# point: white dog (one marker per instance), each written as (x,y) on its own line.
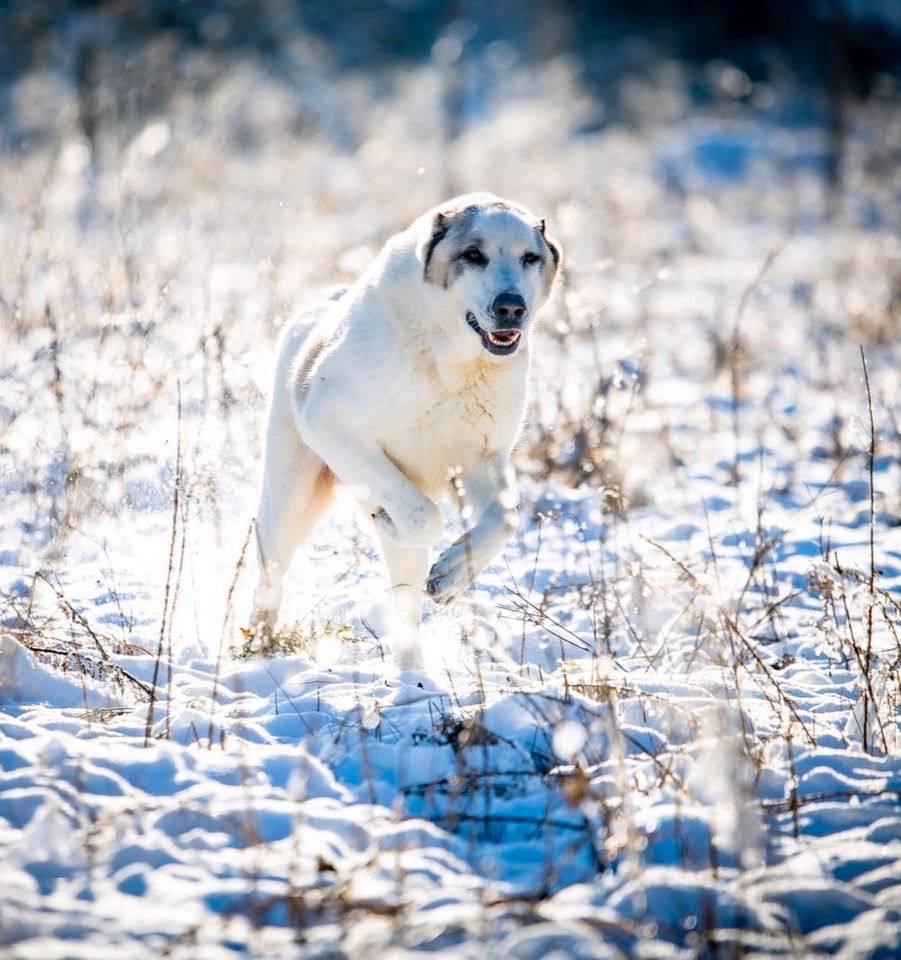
(409,386)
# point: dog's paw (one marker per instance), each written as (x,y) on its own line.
(408,656)
(451,574)
(262,622)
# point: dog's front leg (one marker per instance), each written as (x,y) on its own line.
(403,513)
(492,498)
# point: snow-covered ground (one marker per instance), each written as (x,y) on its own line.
(665,723)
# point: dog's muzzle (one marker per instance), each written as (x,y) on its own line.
(501,341)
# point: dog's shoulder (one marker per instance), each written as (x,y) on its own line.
(305,337)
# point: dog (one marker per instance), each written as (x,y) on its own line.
(407,387)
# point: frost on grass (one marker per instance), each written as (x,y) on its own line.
(665,722)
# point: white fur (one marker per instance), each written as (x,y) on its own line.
(387,389)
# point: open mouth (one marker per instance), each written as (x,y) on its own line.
(495,341)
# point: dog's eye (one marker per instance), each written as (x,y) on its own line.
(529,258)
(474,255)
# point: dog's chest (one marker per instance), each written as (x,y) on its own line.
(453,426)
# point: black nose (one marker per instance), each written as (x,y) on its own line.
(509,308)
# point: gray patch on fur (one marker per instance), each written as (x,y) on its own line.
(304,370)
(440,226)
(454,225)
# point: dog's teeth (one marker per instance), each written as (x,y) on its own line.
(505,340)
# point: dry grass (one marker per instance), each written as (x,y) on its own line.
(147,258)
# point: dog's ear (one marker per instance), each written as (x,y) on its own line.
(440,226)
(552,244)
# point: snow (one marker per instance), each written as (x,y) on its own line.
(664,723)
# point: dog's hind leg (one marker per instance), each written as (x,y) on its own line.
(407,569)
(297,488)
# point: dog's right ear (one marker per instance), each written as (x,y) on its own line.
(440,226)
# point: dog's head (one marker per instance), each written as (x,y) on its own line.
(494,264)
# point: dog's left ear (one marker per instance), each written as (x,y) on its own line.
(440,226)
(553,246)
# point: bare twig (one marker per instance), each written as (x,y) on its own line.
(737,348)
(165,619)
(226,616)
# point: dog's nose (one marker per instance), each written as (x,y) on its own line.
(509,308)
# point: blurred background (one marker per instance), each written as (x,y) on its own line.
(277,112)
(175,178)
